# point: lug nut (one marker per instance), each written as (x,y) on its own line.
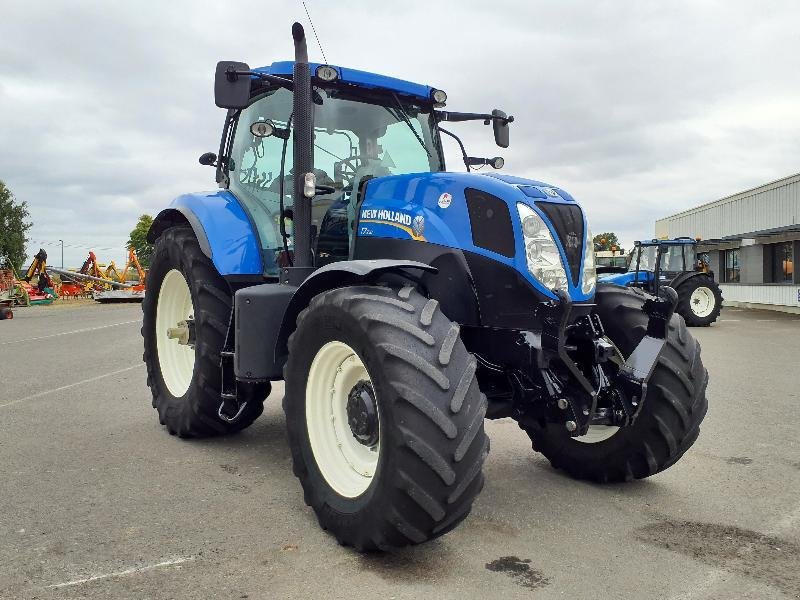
(571,426)
(562,403)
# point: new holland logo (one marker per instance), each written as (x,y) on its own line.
(418,225)
(572,240)
(382,214)
(550,192)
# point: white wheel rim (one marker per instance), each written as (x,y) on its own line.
(175,360)
(346,464)
(702,301)
(597,433)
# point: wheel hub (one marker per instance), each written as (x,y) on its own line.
(362,413)
(183,333)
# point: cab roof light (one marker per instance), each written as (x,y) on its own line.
(326,73)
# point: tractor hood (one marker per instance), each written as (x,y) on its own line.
(476,213)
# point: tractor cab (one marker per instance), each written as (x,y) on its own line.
(365,126)
(662,260)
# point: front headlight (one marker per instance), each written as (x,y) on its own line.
(541,251)
(589,276)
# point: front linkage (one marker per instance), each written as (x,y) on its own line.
(557,388)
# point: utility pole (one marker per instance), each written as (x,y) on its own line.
(62,253)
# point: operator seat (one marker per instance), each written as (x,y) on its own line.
(370,168)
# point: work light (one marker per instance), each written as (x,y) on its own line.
(326,73)
(439,97)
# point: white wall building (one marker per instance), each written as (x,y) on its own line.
(752,241)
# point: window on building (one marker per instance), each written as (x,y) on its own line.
(731,271)
(781,259)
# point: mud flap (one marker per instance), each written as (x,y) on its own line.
(635,372)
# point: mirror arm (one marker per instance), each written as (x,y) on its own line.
(233,75)
(460,145)
(454,117)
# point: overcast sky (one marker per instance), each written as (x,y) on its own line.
(639,109)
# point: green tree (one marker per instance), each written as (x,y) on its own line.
(606,241)
(14,225)
(138,240)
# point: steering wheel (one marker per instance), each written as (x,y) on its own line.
(347,167)
(324,189)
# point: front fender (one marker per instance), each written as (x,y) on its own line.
(335,275)
(221,226)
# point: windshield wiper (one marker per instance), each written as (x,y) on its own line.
(401,115)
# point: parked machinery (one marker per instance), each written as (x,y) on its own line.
(655,264)
(7,287)
(43,291)
(131,291)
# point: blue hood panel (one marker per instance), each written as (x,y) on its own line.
(623,279)
(417,206)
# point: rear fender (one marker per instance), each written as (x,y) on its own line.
(222,228)
(684,277)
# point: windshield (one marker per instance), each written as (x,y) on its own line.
(647,259)
(672,258)
(355,139)
(611,261)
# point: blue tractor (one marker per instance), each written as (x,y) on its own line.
(401,305)
(674,263)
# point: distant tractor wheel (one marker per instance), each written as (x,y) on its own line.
(384,416)
(6,313)
(699,301)
(673,409)
(186,313)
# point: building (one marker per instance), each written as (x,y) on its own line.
(751,240)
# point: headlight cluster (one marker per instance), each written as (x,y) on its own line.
(543,257)
(541,251)
(589,276)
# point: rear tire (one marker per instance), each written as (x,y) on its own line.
(699,301)
(6,313)
(185,382)
(673,409)
(431,443)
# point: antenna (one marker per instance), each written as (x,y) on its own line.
(315,32)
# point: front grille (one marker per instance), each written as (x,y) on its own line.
(568,221)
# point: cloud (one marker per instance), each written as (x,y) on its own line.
(640,109)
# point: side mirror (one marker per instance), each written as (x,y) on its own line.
(231,90)
(208,159)
(500,127)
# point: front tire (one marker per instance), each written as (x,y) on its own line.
(669,422)
(425,447)
(699,301)
(186,381)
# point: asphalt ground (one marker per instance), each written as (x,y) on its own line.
(98,501)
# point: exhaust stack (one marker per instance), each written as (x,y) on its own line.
(303,148)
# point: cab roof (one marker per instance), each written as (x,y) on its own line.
(672,242)
(358,78)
